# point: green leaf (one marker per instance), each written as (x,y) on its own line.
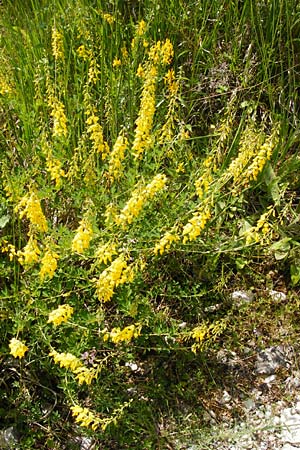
(272,183)
(281,248)
(4,221)
(295,274)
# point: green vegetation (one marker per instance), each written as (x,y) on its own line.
(149,166)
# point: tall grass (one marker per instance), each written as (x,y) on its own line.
(148,161)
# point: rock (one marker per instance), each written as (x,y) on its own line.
(277,295)
(270,359)
(290,434)
(242,297)
(9,439)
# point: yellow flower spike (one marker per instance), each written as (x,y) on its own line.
(196,224)
(66,360)
(30,253)
(30,207)
(141,28)
(83,52)
(57,44)
(61,314)
(48,264)
(17,348)
(135,204)
(82,238)
(116,274)
(105,253)
(95,131)
(117,156)
(116,62)
(59,118)
(142,139)
(126,335)
(108,18)
(165,243)
(54,167)
(85,375)
(85,417)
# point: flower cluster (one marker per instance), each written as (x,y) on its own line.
(8,248)
(108,18)
(116,62)
(205,333)
(83,52)
(17,348)
(48,264)
(196,224)
(162,52)
(30,253)
(69,361)
(93,72)
(138,199)
(95,131)
(263,155)
(202,183)
(57,44)
(117,156)
(142,139)
(105,252)
(61,314)
(85,417)
(83,236)
(119,272)
(141,28)
(5,87)
(54,167)
(262,230)
(248,146)
(30,207)
(116,335)
(165,242)
(59,117)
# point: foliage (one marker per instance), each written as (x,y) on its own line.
(149,158)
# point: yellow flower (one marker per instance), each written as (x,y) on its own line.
(5,87)
(85,417)
(96,135)
(142,139)
(158,183)
(30,207)
(61,314)
(57,44)
(49,264)
(140,71)
(117,273)
(108,18)
(17,348)
(83,236)
(93,72)
(162,52)
(196,224)
(126,335)
(141,28)
(30,253)
(105,253)
(138,199)
(59,117)
(66,360)
(83,52)
(54,167)
(117,156)
(116,62)
(165,242)
(85,375)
